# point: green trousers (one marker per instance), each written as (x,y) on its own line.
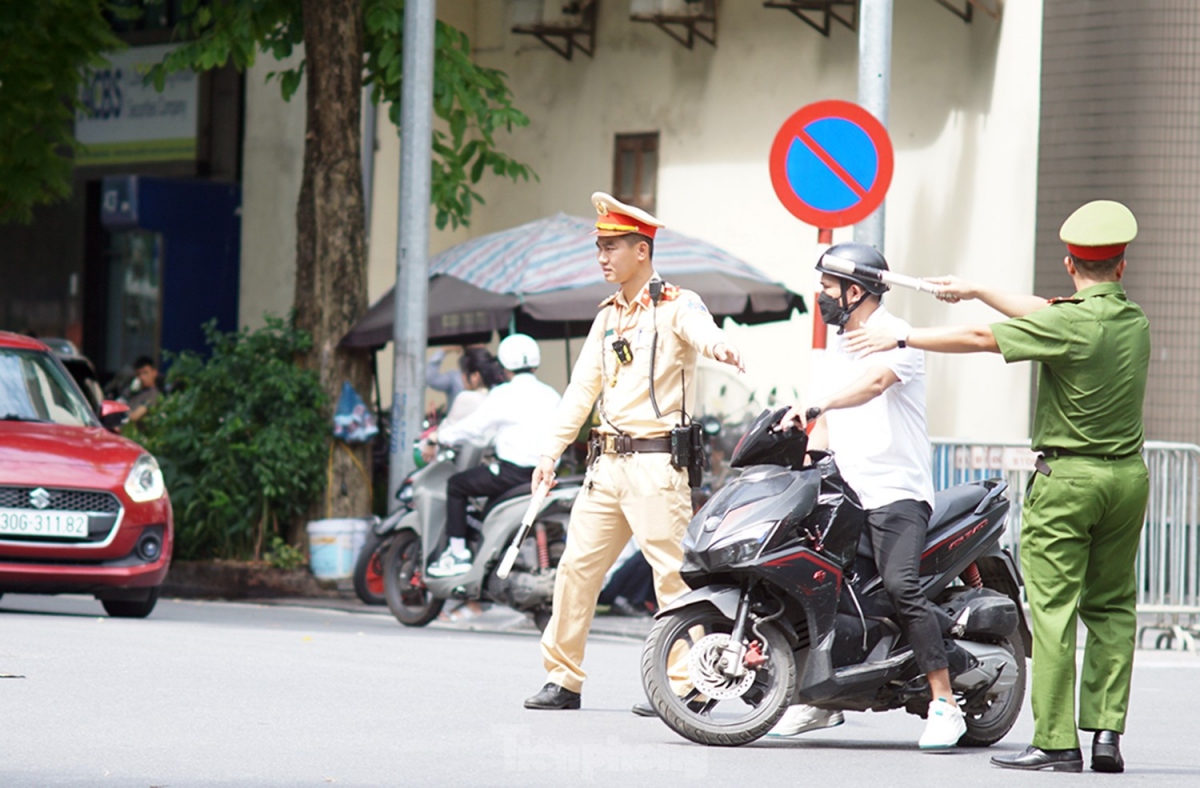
(1079,541)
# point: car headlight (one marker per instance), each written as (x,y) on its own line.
(145,482)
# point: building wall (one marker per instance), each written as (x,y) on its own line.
(1121,93)
(963,121)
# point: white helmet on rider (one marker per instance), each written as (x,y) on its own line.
(517,352)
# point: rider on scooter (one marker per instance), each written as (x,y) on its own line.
(871,413)
(509,418)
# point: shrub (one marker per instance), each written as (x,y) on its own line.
(241,439)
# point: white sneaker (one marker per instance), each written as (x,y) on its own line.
(450,564)
(944,726)
(803,718)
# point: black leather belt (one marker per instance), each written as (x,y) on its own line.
(607,443)
(1056,453)
(1041,467)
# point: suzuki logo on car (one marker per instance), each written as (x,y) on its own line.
(39,498)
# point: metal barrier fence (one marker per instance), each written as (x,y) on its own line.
(1168,561)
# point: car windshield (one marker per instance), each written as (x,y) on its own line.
(34,388)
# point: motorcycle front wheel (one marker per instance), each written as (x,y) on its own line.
(403,586)
(684,680)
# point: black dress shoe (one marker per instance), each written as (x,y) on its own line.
(553,696)
(1033,759)
(1106,752)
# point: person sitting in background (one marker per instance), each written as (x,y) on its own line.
(143,390)
(452,382)
(629,590)
(509,418)
(481,372)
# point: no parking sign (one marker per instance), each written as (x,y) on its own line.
(831,164)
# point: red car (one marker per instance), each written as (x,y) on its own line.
(82,510)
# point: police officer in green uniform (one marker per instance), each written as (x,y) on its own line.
(1085,506)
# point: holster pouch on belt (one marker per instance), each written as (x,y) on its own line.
(687,451)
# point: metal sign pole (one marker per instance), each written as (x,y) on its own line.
(412,249)
(874,87)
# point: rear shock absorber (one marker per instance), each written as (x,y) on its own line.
(539,532)
(971,577)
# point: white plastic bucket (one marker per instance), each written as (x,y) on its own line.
(333,546)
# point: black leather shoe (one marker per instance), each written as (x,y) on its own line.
(554,697)
(1033,759)
(1106,752)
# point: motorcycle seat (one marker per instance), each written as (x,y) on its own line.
(948,505)
(512,492)
(523,489)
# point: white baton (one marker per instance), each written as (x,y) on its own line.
(886,277)
(531,513)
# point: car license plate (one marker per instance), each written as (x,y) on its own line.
(24,522)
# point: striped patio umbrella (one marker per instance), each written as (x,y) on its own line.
(543,278)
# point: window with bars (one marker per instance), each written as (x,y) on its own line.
(635,169)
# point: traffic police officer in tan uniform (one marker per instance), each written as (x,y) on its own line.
(631,485)
(1085,506)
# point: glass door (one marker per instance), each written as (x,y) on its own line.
(135,259)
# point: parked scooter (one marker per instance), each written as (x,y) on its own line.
(788,606)
(368,566)
(414,534)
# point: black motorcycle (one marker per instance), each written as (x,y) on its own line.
(788,606)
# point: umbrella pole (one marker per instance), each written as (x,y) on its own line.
(567,345)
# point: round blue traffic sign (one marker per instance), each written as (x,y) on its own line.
(831,164)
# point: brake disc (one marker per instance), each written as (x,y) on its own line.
(706,674)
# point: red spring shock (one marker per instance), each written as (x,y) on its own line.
(971,576)
(539,531)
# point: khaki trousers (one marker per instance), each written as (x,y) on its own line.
(638,494)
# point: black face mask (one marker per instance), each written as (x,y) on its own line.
(835,311)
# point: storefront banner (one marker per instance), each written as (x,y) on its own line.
(126,120)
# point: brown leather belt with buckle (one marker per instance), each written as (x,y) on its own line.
(607,443)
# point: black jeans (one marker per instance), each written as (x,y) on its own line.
(897,533)
(479,481)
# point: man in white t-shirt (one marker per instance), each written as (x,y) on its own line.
(870,411)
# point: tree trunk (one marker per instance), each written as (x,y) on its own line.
(331,276)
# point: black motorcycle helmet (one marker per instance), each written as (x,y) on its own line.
(762,445)
(858,254)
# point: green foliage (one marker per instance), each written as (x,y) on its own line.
(283,555)
(48,49)
(241,440)
(474,102)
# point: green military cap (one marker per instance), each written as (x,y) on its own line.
(1099,230)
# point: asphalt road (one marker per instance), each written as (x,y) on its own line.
(227,694)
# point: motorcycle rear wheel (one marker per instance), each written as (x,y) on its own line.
(410,602)
(991,724)
(368,570)
(703,719)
